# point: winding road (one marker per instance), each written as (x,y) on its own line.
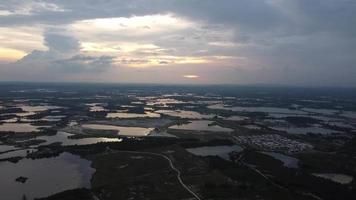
(170,164)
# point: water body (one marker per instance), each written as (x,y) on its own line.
(256,109)
(236,118)
(53,118)
(221,151)
(321,111)
(252,126)
(38,108)
(338,178)
(201,125)
(349,114)
(62,137)
(32,110)
(341,124)
(185,114)
(11,120)
(163,102)
(45,176)
(4,147)
(161,134)
(23,114)
(97,109)
(124,115)
(305,130)
(288,161)
(19,127)
(124,131)
(16,153)
(283,115)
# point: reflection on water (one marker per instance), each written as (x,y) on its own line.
(18,127)
(256,109)
(163,102)
(236,118)
(338,178)
(124,131)
(62,137)
(11,120)
(185,114)
(53,118)
(123,115)
(4,148)
(349,114)
(305,130)
(97,109)
(31,110)
(38,108)
(16,153)
(321,111)
(288,161)
(283,115)
(221,151)
(201,125)
(252,126)
(23,114)
(45,176)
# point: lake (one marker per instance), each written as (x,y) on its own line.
(19,127)
(124,115)
(287,161)
(45,176)
(256,109)
(201,125)
(185,114)
(305,130)
(62,137)
(124,131)
(338,178)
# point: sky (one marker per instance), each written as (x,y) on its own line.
(283,42)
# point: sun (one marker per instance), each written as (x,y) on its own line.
(191,76)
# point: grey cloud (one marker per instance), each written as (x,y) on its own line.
(164,62)
(63,56)
(61,43)
(299,42)
(249,15)
(80,63)
(133,61)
